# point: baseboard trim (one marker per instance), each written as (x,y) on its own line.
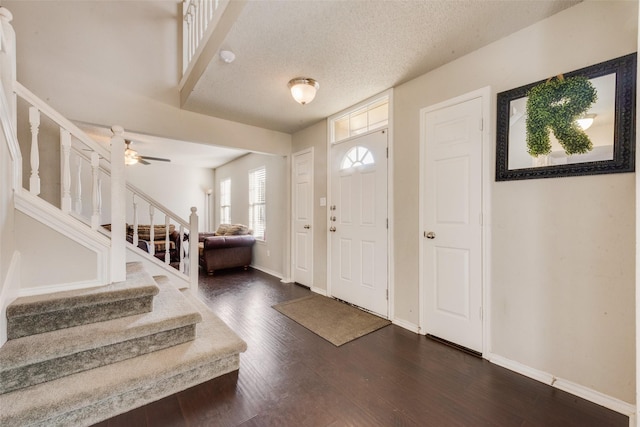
(320,291)
(266,270)
(406,325)
(9,292)
(581,391)
(48,289)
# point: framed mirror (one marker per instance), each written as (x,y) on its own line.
(607,119)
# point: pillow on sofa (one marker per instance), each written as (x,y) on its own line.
(237,230)
(232,230)
(222,229)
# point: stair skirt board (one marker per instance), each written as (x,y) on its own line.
(23,326)
(79,414)
(56,368)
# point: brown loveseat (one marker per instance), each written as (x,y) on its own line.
(230,246)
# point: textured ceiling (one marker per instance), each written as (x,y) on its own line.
(355,49)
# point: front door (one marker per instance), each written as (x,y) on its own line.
(452,208)
(358,222)
(303,218)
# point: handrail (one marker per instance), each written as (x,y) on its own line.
(12,141)
(62,121)
(139,193)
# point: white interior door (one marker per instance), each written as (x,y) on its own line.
(303,218)
(452,208)
(358,221)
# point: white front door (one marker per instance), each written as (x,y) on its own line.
(358,221)
(452,236)
(303,218)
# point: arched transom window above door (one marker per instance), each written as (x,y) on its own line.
(357,156)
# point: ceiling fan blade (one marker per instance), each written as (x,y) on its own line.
(159,159)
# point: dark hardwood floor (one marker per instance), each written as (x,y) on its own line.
(391,377)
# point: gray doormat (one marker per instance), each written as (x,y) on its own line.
(335,321)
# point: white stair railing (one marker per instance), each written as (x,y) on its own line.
(83,164)
(105,180)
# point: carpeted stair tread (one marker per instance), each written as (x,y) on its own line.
(60,310)
(91,396)
(136,285)
(33,359)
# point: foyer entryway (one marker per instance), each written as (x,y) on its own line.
(290,377)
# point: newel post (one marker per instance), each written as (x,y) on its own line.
(118,207)
(193,249)
(8,60)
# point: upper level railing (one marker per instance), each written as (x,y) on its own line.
(197,15)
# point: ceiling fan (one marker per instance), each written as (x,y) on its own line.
(131,157)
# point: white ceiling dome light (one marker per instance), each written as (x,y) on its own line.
(303,89)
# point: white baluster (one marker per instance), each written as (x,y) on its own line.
(65,142)
(167,256)
(152,247)
(197,23)
(193,249)
(206,6)
(95,191)
(34,180)
(135,221)
(192,37)
(181,252)
(99,200)
(78,195)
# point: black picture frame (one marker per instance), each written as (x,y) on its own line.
(623,127)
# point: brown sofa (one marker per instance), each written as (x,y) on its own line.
(226,251)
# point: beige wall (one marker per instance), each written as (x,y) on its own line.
(118,63)
(562,257)
(177,187)
(60,261)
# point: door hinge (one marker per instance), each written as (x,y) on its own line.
(387,294)
(481,124)
(387,152)
(387,223)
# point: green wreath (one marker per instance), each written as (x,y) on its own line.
(555,105)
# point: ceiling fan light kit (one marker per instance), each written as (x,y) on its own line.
(131,157)
(303,89)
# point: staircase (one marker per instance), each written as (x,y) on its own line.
(82,349)
(80,357)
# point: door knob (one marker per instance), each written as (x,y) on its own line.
(333,218)
(332,229)
(307,226)
(430,235)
